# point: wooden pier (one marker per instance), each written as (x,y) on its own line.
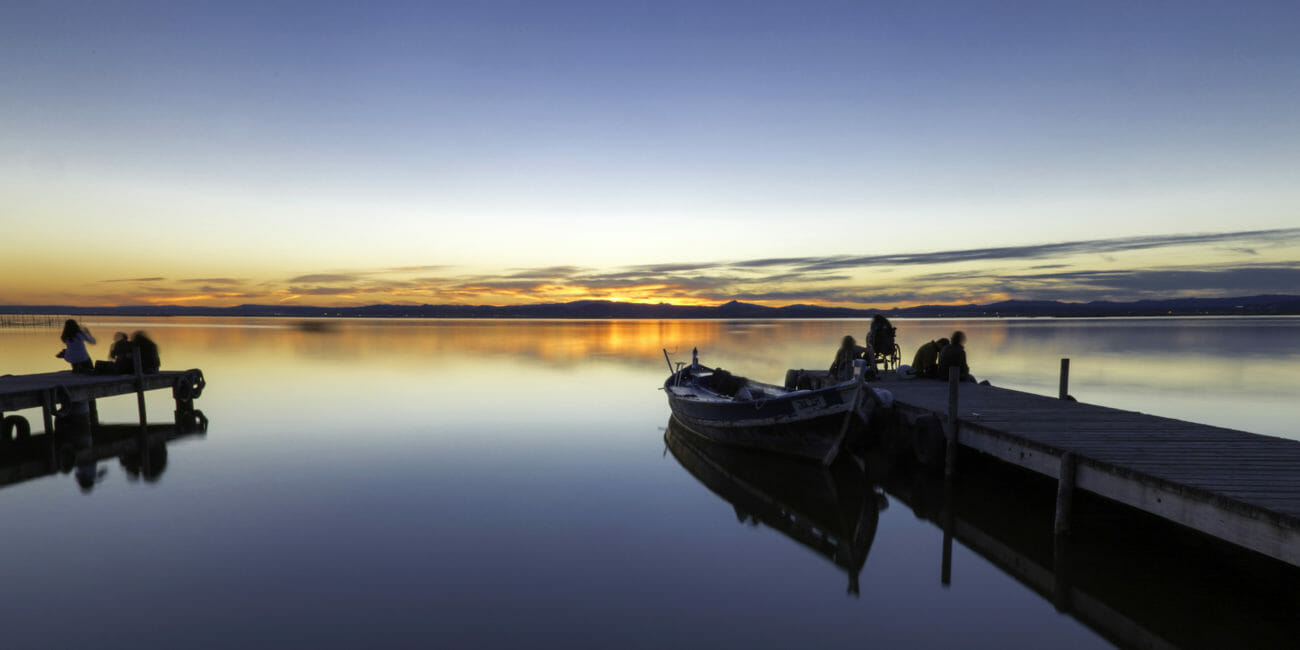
(1240,487)
(1125,578)
(54,390)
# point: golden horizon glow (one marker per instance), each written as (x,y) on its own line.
(1120,269)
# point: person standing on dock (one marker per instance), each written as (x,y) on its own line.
(954,356)
(74,351)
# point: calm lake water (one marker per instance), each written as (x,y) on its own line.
(508,484)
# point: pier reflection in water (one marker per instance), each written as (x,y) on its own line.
(1135,581)
(77,447)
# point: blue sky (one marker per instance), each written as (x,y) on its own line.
(262,142)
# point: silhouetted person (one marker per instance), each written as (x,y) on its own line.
(144,346)
(926,361)
(954,356)
(880,337)
(120,352)
(842,366)
(74,346)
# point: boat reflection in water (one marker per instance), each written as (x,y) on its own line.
(832,510)
(1135,580)
(77,447)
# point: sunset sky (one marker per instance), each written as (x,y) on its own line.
(838,152)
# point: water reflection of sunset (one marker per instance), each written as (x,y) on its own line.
(1168,366)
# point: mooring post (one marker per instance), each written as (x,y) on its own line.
(949,520)
(1065,493)
(1065,378)
(139,388)
(950,458)
(47,410)
(1063,580)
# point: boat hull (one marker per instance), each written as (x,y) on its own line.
(805,424)
(814,439)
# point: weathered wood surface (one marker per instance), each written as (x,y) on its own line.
(1238,486)
(19,392)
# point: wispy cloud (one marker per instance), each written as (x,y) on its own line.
(325,277)
(1241,262)
(1039,251)
(426,267)
(225,281)
(323,291)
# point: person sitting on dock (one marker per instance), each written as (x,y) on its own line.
(880,337)
(954,356)
(119,356)
(120,347)
(148,351)
(926,361)
(74,351)
(842,366)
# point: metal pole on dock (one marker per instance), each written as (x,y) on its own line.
(1065,378)
(950,458)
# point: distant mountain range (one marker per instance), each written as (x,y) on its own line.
(601,309)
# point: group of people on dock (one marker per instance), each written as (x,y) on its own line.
(934,359)
(121,354)
(931,361)
(880,341)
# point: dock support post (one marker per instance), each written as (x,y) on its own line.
(950,458)
(1065,494)
(949,469)
(139,388)
(1065,379)
(47,410)
(1062,583)
(949,517)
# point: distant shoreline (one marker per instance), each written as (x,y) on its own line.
(1265,305)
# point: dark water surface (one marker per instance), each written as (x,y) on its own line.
(508,484)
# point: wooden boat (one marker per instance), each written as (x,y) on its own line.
(834,511)
(811,422)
